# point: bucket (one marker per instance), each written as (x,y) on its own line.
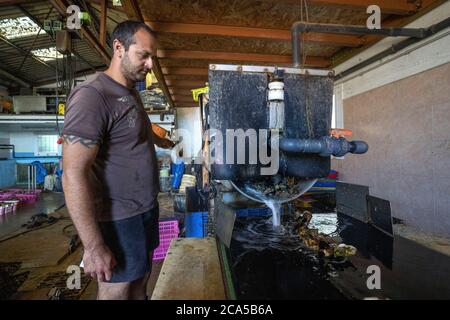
(179,202)
(164,184)
(178,171)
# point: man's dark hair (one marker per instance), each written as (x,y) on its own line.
(124,32)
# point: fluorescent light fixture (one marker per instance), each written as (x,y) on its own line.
(19,27)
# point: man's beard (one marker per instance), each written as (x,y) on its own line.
(131,72)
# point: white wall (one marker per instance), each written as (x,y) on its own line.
(188,119)
(424,55)
(401,106)
(27,142)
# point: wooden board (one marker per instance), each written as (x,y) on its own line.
(191,271)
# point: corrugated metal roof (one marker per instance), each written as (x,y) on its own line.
(85,56)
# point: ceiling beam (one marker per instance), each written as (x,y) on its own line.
(25,52)
(180,92)
(110,5)
(14,78)
(14,2)
(185,71)
(80,73)
(61,7)
(234,56)
(182,99)
(103,15)
(132,10)
(400,7)
(177,77)
(391,22)
(186,83)
(256,33)
(188,105)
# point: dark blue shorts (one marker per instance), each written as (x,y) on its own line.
(132,241)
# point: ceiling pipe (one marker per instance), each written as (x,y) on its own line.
(430,31)
(300,27)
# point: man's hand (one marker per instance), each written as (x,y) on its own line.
(99,262)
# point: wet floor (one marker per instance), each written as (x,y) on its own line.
(274,264)
(47,202)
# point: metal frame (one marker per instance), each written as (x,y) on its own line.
(268,69)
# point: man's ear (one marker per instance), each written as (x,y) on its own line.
(118,48)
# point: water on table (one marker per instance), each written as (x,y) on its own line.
(273,263)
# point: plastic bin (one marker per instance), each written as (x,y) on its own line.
(195,224)
(168,230)
(253,212)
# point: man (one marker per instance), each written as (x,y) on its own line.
(110,174)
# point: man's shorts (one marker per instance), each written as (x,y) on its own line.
(131,241)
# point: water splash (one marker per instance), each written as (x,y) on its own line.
(275,207)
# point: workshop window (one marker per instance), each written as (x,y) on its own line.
(47,145)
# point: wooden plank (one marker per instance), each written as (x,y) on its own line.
(257,33)
(233,56)
(400,7)
(191,271)
(174,77)
(103,15)
(185,83)
(132,10)
(185,71)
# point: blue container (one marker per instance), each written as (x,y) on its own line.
(140,86)
(195,224)
(253,212)
(178,171)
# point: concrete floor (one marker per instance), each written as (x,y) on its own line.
(12,222)
(32,288)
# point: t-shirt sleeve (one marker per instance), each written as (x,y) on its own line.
(86,115)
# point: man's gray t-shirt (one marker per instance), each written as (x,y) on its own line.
(124,175)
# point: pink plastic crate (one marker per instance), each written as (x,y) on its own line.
(168,230)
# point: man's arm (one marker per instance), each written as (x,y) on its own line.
(78,157)
(162,142)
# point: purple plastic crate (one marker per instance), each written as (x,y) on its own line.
(168,230)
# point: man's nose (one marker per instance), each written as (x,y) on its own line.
(149,63)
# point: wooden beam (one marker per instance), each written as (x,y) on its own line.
(61,7)
(14,2)
(185,83)
(400,7)
(177,85)
(185,71)
(370,40)
(132,10)
(187,105)
(256,33)
(110,5)
(177,77)
(179,99)
(103,15)
(233,56)
(180,91)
